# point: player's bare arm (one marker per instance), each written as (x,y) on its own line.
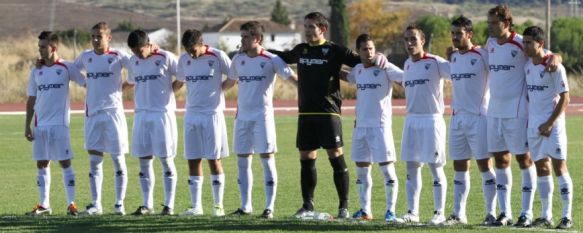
(176,85)
(293,80)
(554,62)
(545,128)
(29,114)
(228,83)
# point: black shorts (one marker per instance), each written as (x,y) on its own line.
(315,131)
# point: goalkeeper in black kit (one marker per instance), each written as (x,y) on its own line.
(319,124)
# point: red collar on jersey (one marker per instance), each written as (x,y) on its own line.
(512,41)
(546,59)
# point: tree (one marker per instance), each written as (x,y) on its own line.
(437,33)
(339,22)
(566,36)
(279,14)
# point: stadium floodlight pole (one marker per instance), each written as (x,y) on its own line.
(178,27)
(548,25)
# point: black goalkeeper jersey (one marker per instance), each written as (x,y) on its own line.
(318,75)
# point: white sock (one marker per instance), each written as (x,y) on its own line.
(195,185)
(461,190)
(391,185)
(439,187)
(270,179)
(528,190)
(504,189)
(364,183)
(489,190)
(245,180)
(69,183)
(147,181)
(414,186)
(121,177)
(43,181)
(545,192)
(566,189)
(96,178)
(170,178)
(218,186)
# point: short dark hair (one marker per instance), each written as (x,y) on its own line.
(503,13)
(535,32)
(52,37)
(416,27)
(138,38)
(362,38)
(463,22)
(191,37)
(321,20)
(102,26)
(254,28)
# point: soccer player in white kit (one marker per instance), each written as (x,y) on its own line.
(154,129)
(424,129)
(467,134)
(254,69)
(507,114)
(48,104)
(548,95)
(372,138)
(205,134)
(105,122)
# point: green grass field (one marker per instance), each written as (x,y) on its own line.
(18,192)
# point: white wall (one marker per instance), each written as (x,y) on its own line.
(282,41)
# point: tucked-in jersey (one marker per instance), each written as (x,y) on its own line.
(469,77)
(374,90)
(50,85)
(104,79)
(318,75)
(152,78)
(256,78)
(203,76)
(423,82)
(507,82)
(543,91)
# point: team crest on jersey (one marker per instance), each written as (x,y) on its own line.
(242,62)
(325,51)
(376,72)
(513,53)
(211,63)
(110,60)
(407,67)
(262,64)
(137,63)
(305,51)
(40,73)
(188,62)
(541,74)
(427,66)
(158,62)
(473,61)
(59,71)
(491,50)
(90,60)
(454,59)
(359,71)
(528,71)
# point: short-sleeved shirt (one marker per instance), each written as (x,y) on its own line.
(152,77)
(423,82)
(203,77)
(469,77)
(50,86)
(543,91)
(104,78)
(256,78)
(507,81)
(374,88)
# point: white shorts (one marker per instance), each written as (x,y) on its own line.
(205,136)
(373,145)
(51,142)
(467,137)
(107,131)
(554,146)
(424,139)
(507,134)
(154,133)
(250,137)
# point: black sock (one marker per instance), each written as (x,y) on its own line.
(309,179)
(341,180)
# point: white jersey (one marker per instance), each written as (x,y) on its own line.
(203,77)
(543,91)
(374,90)
(423,82)
(50,85)
(469,77)
(104,79)
(256,76)
(152,78)
(507,81)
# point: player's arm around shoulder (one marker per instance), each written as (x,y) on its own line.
(75,74)
(232,74)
